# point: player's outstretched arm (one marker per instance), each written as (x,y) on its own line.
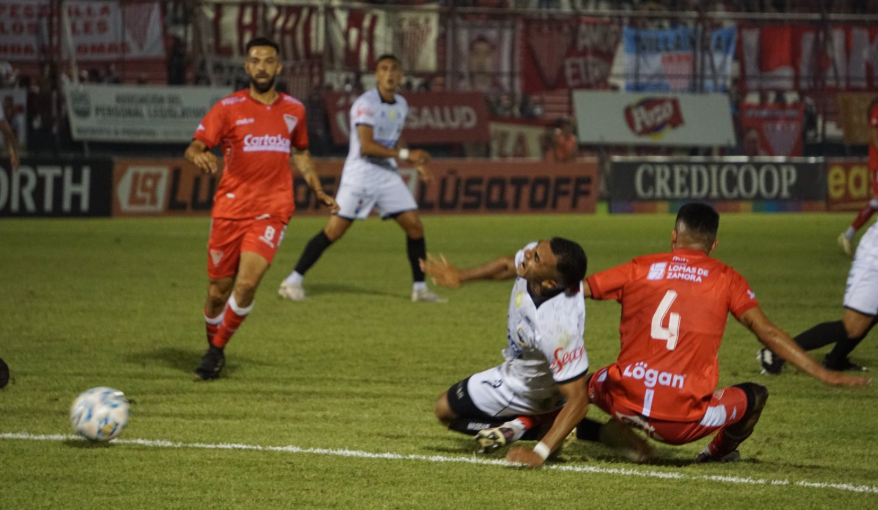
(447,275)
(574,411)
(781,344)
(303,161)
(200,155)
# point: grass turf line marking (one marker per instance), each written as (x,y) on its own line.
(465,460)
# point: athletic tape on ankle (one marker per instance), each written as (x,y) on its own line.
(542,450)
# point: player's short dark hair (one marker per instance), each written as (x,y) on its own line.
(263,41)
(572,262)
(701,221)
(386,56)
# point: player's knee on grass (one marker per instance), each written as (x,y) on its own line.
(443,411)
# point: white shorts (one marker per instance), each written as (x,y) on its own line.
(861,294)
(384,190)
(492,395)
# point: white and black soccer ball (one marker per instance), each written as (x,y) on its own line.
(99,414)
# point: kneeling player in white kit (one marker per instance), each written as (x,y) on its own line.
(860,315)
(370,179)
(545,362)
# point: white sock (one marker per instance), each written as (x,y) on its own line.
(849,233)
(419,286)
(295,279)
(517,426)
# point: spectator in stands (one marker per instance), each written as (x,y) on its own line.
(110,74)
(751,143)
(530,108)
(565,146)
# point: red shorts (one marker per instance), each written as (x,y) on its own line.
(229,238)
(726,407)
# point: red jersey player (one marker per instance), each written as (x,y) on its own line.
(846,237)
(258,129)
(674,311)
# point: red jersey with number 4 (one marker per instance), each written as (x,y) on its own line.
(256,140)
(674,312)
(873,124)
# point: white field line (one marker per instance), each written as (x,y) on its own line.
(646,473)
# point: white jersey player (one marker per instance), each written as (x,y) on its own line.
(545,360)
(370,180)
(860,314)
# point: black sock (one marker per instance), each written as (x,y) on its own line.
(822,334)
(843,348)
(417,250)
(589,430)
(313,250)
(472,426)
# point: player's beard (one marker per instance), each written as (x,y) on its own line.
(263,87)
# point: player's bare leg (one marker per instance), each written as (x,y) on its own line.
(218,292)
(251,268)
(416,248)
(724,446)
(291,287)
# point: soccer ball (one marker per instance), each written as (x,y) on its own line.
(99,414)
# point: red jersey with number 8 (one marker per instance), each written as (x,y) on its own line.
(674,312)
(256,140)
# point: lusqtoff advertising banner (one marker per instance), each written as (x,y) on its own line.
(124,113)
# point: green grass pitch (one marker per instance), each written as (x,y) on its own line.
(348,379)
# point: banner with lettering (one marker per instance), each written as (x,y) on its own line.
(676,60)
(174,187)
(435,117)
(653,119)
(804,57)
(848,184)
(100,30)
(128,113)
(778,126)
(575,53)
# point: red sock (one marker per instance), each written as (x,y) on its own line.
(863,216)
(212,325)
(233,316)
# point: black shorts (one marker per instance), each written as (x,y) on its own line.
(462,404)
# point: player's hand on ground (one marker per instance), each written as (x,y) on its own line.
(441,271)
(424,172)
(526,456)
(834,378)
(419,157)
(207,162)
(329,202)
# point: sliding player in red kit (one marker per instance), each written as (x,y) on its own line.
(259,128)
